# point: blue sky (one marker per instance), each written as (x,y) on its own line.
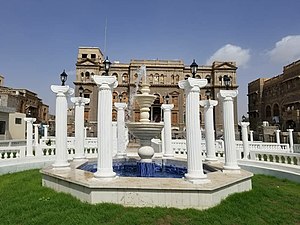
(40,38)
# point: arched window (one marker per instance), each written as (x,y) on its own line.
(124,97)
(208,78)
(151,78)
(161,79)
(82,76)
(156,78)
(268,111)
(275,110)
(116,75)
(157,99)
(186,76)
(115,96)
(114,115)
(172,79)
(87,75)
(198,76)
(177,78)
(125,78)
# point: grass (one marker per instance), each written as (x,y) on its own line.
(24,201)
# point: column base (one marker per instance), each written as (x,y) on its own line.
(231,167)
(78,158)
(168,155)
(61,164)
(104,174)
(121,155)
(196,178)
(211,159)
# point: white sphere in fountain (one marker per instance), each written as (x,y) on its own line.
(146,153)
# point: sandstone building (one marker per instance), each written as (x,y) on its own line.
(276,100)
(163,75)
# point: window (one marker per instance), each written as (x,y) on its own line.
(208,78)
(84,56)
(93,56)
(18,120)
(2,127)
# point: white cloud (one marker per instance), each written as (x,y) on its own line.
(286,50)
(231,53)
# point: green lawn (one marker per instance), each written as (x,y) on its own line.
(24,201)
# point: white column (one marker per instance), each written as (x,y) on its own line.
(277,136)
(29,122)
(121,152)
(244,126)
(36,134)
(168,151)
(45,131)
(195,172)
(209,128)
(251,135)
(226,96)
(104,125)
(61,108)
(79,103)
(291,139)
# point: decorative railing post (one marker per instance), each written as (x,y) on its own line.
(167,132)
(61,108)
(195,172)
(29,122)
(244,126)
(79,103)
(36,134)
(277,136)
(291,139)
(251,135)
(104,126)
(209,128)
(226,96)
(45,131)
(121,145)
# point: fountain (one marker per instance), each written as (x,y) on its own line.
(144,129)
(106,186)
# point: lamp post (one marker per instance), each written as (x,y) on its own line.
(63,78)
(107,64)
(194,67)
(80,90)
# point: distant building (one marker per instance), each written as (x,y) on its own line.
(15,104)
(276,100)
(162,75)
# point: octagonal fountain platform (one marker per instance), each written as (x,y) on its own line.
(145,191)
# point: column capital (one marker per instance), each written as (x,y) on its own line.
(227,95)
(105,82)
(244,124)
(290,130)
(167,106)
(120,105)
(62,90)
(29,119)
(208,103)
(277,131)
(45,125)
(36,125)
(80,100)
(191,83)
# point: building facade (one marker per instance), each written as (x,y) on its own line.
(276,100)
(15,104)
(162,75)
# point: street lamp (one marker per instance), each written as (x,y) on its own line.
(243,118)
(208,93)
(194,67)
(107,64)
(226,80)
(63,78)
(167,99)
(80,90)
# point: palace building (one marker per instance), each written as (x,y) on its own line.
(276,100)
(162,75)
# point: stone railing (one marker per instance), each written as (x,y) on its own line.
(10,143)
(276,157)
(296,148)
(11,152)
(263,146)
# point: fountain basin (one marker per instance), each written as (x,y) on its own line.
(143,191)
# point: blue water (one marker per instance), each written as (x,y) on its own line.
(139,169)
